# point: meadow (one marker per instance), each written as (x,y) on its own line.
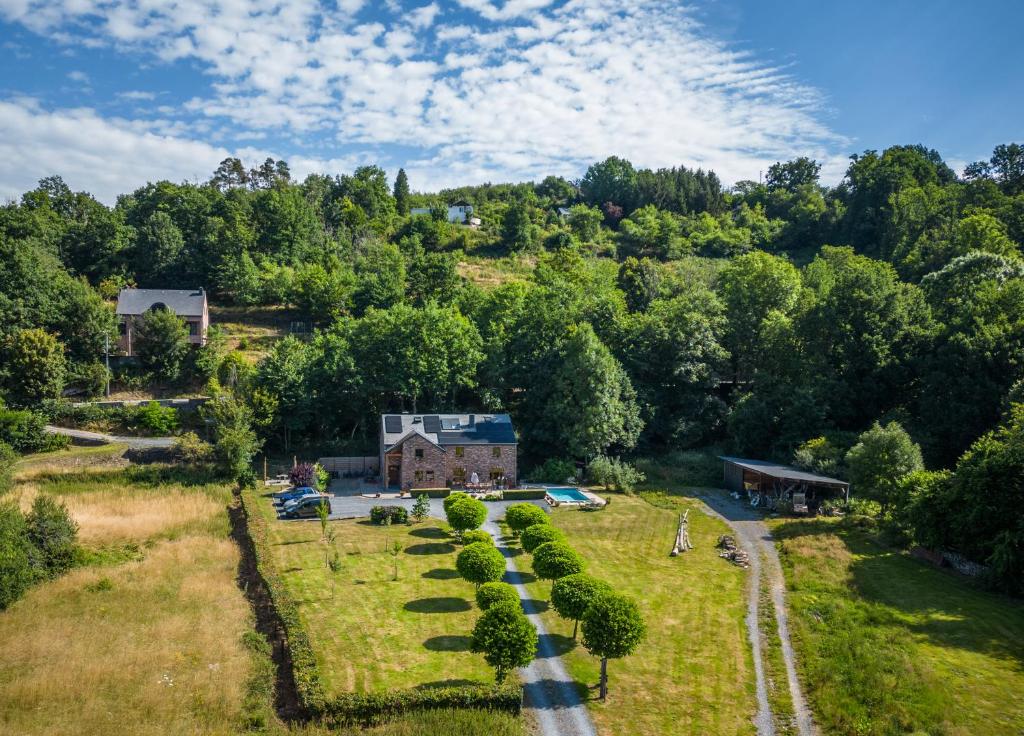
(694,673)
(888,644)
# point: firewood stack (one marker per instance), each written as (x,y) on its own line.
(731,552)
(682,535)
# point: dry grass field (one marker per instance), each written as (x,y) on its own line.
(147,643)
(694,673)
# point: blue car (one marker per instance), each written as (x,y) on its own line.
(293,493)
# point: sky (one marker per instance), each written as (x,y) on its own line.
(111,94)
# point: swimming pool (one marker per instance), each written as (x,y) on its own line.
(568,495)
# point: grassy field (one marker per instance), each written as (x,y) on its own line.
(146,637)
(372,632)
(694,673)
(890,645)
(491,272)
(252,330)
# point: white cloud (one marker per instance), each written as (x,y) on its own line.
(78,76)
(536,88)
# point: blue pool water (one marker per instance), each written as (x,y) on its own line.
(567,495)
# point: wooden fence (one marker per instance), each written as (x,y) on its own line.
(351,467)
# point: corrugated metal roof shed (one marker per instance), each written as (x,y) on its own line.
(784,472)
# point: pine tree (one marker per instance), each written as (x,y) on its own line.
(402,193)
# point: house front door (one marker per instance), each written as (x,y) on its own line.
(394,475)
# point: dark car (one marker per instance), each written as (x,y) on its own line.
(293,494)
(306,507)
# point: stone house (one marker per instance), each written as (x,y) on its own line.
(189,304)
(447,450)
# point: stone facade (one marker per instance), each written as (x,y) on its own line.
(422,464)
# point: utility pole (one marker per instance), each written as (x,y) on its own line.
(106,353)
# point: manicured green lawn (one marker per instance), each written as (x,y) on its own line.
(694,674)
(890,645)
(371,632)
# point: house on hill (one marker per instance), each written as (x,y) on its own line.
(189,304)
(459,212)
(447,451)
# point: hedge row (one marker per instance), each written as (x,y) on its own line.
(523,494)
(307,677)
(372,708)
(356,708)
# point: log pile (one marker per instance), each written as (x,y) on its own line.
(682,535)
(729,551)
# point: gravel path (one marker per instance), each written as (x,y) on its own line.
(98,438)
(753,535)
(551,695)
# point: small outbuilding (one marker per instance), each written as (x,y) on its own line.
(189,304)
(780,481)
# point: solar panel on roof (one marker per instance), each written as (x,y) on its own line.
(432,424)
(392,424)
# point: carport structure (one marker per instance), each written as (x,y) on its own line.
(778,481)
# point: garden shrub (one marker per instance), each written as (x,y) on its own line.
(156,419)
(519,516)
(452,498)
(466,514)
(505,637)
(25,432)
(188,448)
(553,560)
(537,534)
(389,515)
(53,532)
(477,535)
(480,563)
(612,473)
(17,555)
(523,494)
(496,592)
(554,470)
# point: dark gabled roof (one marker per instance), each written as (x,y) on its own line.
(184,302)
(449,429)
(784,472)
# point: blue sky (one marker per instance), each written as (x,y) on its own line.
(112,93)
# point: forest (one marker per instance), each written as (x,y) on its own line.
(872,330)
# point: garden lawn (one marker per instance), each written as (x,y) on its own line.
(694,673)
(890,645)
(369,631)
(148,634)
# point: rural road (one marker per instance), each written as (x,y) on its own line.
(754,536)
(98,438)
(551,695)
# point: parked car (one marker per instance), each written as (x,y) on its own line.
(306,507)
(293,494)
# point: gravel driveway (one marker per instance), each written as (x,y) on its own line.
(754,536)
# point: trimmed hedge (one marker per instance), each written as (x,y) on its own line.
(432,492)
(308,685)
(396,514)
(523,494)
(373,708)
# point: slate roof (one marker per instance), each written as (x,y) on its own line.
(183,302)
(449,429)
(785,472)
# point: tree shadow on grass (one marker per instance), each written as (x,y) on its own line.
(448,604)
(518,577)
(449,643)
(430,532)
(430,548)
(441,573)
(554,645)
(535,605)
